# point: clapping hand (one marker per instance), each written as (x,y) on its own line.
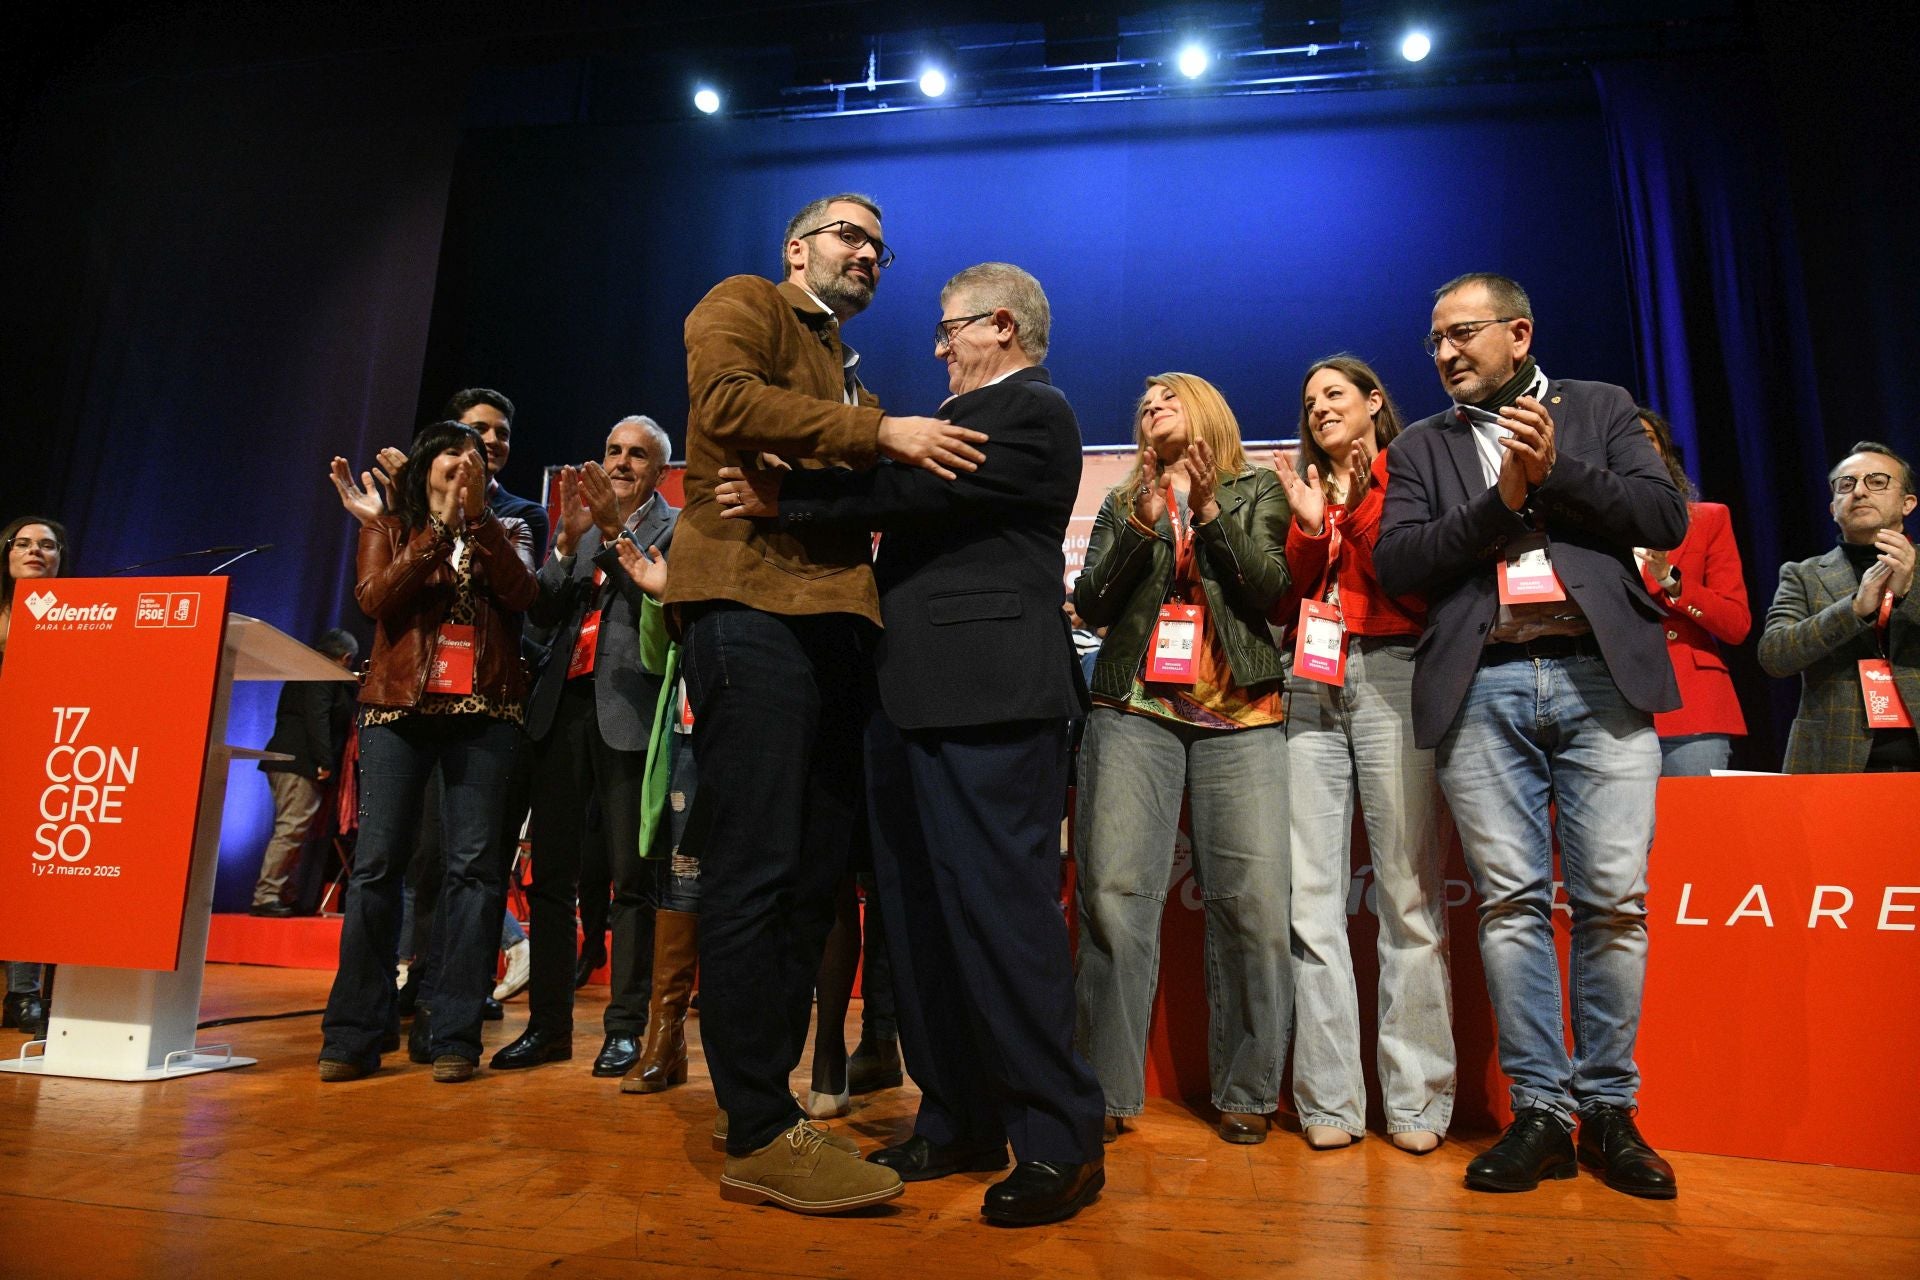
(1308,500)
(1148,505)
(1202,480)
(362,501)
(575,516)
(648,568)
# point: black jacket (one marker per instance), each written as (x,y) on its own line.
(971,571)
(310,723)
(1444,527)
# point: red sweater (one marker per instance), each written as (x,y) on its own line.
(1368,610)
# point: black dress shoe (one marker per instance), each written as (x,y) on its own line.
(532,1049)
(276,910)
(1535,1146)
(27,1011)
(617,1055)
(420,1036)
(1610,1143)
(583,972)
(918,1160)
(1040,1191)
(491,1010)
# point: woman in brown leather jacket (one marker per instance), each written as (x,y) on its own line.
(445,688)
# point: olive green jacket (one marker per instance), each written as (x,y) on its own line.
(1243,570)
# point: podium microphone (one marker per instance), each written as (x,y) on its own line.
(236,553)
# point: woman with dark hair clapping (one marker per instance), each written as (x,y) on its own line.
(1350,737)
(445,687)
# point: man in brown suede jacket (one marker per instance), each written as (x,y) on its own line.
(777,627)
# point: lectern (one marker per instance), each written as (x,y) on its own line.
(114,695)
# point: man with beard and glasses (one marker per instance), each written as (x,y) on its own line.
(1516,512)
(777,628)
(1848,624)
(590,715)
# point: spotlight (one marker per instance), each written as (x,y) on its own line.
(1415,46)
(1193,61)
(933,82)
(706,101)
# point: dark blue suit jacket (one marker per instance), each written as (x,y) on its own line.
(971,571)
(502,503)
(1444,527)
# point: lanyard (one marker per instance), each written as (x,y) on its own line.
(1882,622)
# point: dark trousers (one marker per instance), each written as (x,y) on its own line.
(777,704)
(572,764)
(474,754)
(966,852)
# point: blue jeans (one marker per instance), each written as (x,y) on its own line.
(1348,743)
(1530,734)
(687,824)
(1133,771)
(474,754)
(1694,756)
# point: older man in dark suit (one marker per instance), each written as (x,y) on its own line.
(1516,513)
(1853,605)
(967,757)
(589,716)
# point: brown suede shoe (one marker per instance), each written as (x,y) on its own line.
(827,1135)
(451,1069)
(800,1170)
(333,1071)
(1242,1129)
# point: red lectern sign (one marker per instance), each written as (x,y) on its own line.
(107,698)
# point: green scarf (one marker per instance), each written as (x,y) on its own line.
(1515,387)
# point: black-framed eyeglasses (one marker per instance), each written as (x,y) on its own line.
(1461,334)
(1872,482)
(44,544)
(944,331)
(856,237)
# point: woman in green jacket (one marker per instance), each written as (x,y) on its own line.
(1188,555)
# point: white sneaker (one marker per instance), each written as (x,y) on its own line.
(519,965)
(400,975)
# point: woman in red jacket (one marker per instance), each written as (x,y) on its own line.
(1350,733)
(1700,586)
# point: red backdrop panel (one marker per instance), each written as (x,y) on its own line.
(1763,1021)
(107,698)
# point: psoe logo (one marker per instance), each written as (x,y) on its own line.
(179,609)
(1880,677)
(46,609)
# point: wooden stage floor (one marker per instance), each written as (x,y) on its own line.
(266,1172)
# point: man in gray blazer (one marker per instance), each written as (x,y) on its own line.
(589,717)
(1853,605)
(1516,512)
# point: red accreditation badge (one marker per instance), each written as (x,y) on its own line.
(584,644)
(1526,574)
(1320,644)
(1170,655)
(1882,696)
(452,670)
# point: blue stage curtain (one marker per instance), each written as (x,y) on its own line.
(1720,320)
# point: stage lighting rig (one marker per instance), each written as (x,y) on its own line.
(1415,46)
(1193,60)
(706,100)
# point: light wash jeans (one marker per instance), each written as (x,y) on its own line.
(1357,740)
(1694,756)
(1530,734)
(1133,770)
(23,976)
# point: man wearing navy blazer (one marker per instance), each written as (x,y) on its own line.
(1516,513)
(967,757)
(589,716)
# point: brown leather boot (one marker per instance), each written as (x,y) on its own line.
(676,951)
